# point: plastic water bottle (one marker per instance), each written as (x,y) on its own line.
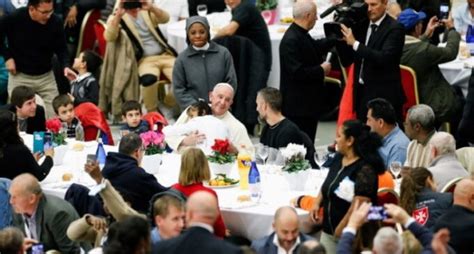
(254,183)
(100,154)
(470,39)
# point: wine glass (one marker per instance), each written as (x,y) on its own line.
(267,16)
(395,168)
(320,157)
(202,10)
(262,152)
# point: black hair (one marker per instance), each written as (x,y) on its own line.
(130,143)
(202,108)
(61,100)
(20,94)
(382,109)
(92,59)
(127,235)
(8,130)
(366,143)
(131,105)
(37,2)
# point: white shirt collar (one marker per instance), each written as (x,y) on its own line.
(280,249)
(205,47)
(202,225)
(378,21)
(83,76)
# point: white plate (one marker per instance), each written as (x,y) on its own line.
(221,187)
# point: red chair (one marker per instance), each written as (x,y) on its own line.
(387,196)
(94,123)
(87,36)
(451,185)
(99,29)
(410,88)
(155,118)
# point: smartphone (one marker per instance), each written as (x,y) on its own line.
(91,158)
(38,141)
(36,248)
(131,5)
(47,140)
(443,11)
(377,213)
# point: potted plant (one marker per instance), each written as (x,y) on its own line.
(296,168)
(268,10)
(221,160)
(154,145)
(58,134)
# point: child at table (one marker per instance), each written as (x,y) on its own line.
(64,108)
(84,87)
(132,116)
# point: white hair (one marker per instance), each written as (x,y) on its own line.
(443,142)
(303,7)
(223,85)
(388,241)
(422,114)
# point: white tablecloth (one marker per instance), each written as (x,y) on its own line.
(246,219)
(458,72)
(177,38)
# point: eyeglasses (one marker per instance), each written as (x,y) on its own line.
(48,12)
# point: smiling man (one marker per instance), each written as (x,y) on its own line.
(33,35)
(375,47)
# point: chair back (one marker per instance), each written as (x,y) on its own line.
(155,118)
(451,185)
(99,29)
(78,196)
(410,88)
(466,157)
(6,216)
(387,196)
(94,123)
(87,35)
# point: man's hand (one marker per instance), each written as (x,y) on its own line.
(93,169)
(70,74)
(359,214)
(440,241)
(71,97)
(432,25)
(11,66)
(326,67)
(28,242)
(146,5)
(348,37)
(99,224)
(397,214)
(71,19)
(193,139)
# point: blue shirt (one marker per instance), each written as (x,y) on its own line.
(155,239)
(462,18)
(394,147)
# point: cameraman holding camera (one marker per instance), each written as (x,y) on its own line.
(375,47)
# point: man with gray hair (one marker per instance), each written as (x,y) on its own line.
(419,127)
(303,69)
(444,165)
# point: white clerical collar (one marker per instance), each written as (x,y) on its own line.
(205,47)
(281,249)
(202,225)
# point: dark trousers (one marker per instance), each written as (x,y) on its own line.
(309,125)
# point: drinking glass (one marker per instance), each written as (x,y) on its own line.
(202,10)
(395,168)
(320,157)
(262,152)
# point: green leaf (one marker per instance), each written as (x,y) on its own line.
(294,166)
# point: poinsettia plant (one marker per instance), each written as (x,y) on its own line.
(221,152)
(58,133)
(266,4)
(154,142)
(295,158)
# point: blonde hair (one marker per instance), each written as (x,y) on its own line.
(194,167)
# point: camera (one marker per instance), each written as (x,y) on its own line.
(129,5)
(349,12)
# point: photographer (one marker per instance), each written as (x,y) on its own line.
(375,47)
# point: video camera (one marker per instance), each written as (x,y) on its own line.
(349,13)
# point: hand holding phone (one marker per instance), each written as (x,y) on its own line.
(91,158)
(377,213)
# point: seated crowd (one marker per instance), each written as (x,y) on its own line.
(433,208)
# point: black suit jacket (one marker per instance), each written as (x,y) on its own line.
(381,70)
(36,123)
(301,76)
(196,240)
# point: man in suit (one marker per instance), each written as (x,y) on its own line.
(201,213)
(286,238)
(302,69)
(31,117)
(375,47)
(42,217)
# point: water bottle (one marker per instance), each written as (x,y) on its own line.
(254,183)
(470,39)
(100,153)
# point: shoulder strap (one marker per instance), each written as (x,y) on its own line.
(136,44)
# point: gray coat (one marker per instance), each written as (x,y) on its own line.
(433,89)
(195,73)
(445,168)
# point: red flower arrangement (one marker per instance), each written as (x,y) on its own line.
(58,136)
(53,125)
(221,152)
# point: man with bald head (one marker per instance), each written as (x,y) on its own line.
(201,213)
(42,217)
(221,98)
(286,238)
(459,219)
